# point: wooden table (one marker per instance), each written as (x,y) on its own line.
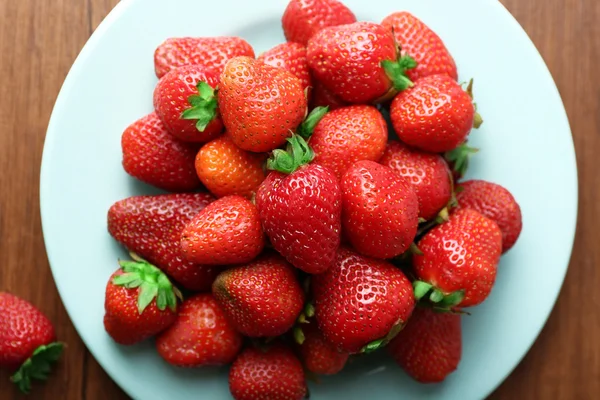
(40,39)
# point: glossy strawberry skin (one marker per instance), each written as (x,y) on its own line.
(435,115)
(171,98)
(421,43)
(200,336)
(359,300)
(496,203)
(322,97)
(300,214)
(261,299)
(318,355)
(151,226)
(347,135)
(347,60)
(227,231)
(461,254)
(274,374)
(260,104)
(429,348)
(380,210)
(428,174)
(209,52)
(303,18)
(292,57)
(154,156)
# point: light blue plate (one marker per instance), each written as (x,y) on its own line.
(525,145)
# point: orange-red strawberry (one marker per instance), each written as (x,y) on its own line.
(496,203)
(457,262)
(292,57)
(318,355)
(185,103)
(358,62)
(380,210)
(322,97)
(139,302)
(151,226)
(274,374)
(435,115)
(227,231)
(421,43)
(152,155)
(260,104)
(27,341)
(261,299)
(209,52)
(360,302)
(348,135)
(225,169)
(303,18)
(201,335)
(429,348)
(428,174)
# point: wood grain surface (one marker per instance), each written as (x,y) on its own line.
(39,41)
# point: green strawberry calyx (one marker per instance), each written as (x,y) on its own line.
(307,127)
(380,343)
(427,294)
(297,153)
(396,71)
(203,106)
(37,366)
(303,318)
(477,119)
(153,284)
(459,158)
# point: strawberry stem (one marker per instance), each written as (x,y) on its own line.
(37,366)
(203,106)
(307,127)
(298,153)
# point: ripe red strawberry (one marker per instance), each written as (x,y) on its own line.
(227,231)
(360,302)
(429,348)
(428,174)
(322,97)
(459,260)
(225,169)
(208,52)
(261,299)
(303,18)
(435,115)
(274,373)
(318,355)
(260,104)
(380,210)
(292,57)
(152,155)
(27,341)
(185,103)
(139,302)
(347,135)
(421,43)
(358,62)
(300,208)
(496,203)
(151,226)
(201,335)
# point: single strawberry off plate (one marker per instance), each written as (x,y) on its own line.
(525,143)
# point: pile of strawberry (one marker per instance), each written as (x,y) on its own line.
(297,232)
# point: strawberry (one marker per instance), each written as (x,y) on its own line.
(322,97)
(260,104)
(139,302)
(429,348)
(152,155)
(358,62)
(423,44)
(261,299)
(151,226)
(428,174)
(318,355)
(360,302)
(435,115)
(292,57)
(185,103)
(458,260)
(303,18)
(209,52)
(300,208)
(347,135)
(274,373)
(226,170)
(496,203)
(227,231)
(380,210)
(201,335)
(27,341)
